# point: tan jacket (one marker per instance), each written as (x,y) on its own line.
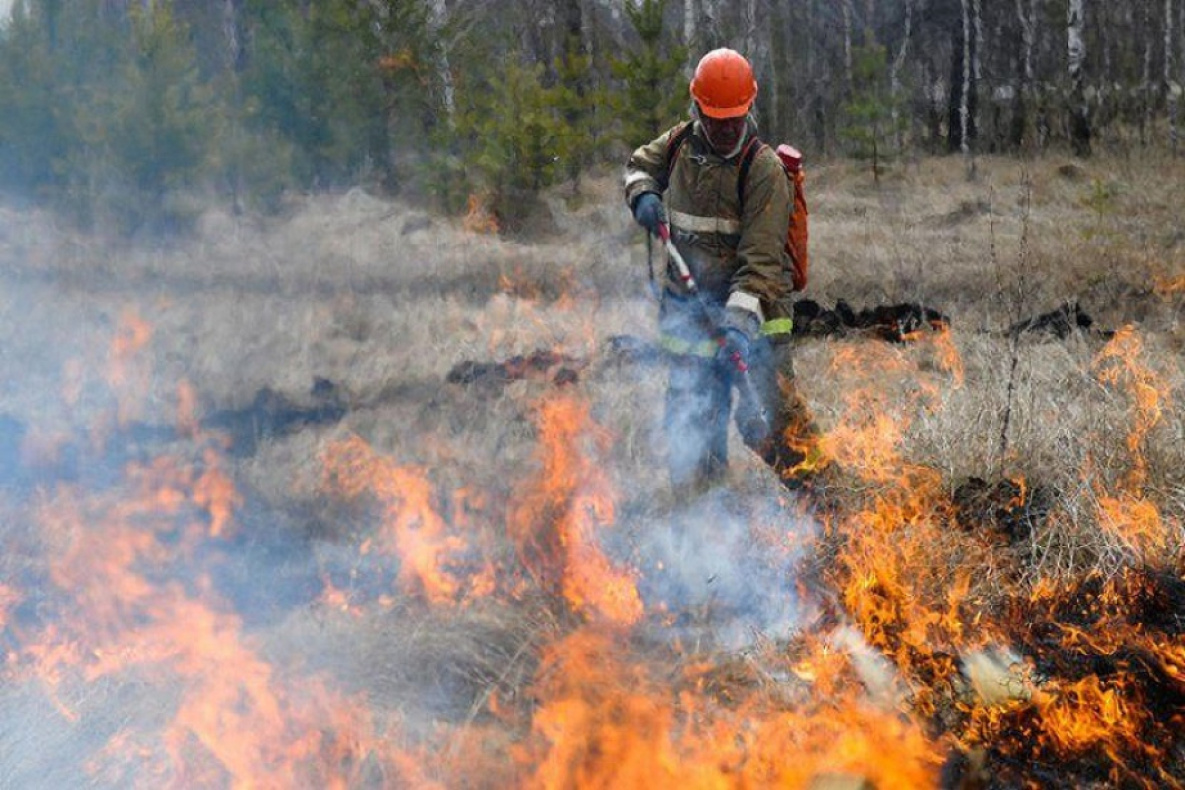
(741,259)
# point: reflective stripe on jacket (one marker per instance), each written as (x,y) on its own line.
(775,329)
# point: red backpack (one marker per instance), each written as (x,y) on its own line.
(791,159)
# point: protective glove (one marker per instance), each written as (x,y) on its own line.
(648,212)
(739,328)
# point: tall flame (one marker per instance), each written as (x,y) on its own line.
(557,522)
(412,528)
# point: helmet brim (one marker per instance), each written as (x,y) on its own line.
(726,112)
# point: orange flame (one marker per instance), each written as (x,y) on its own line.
(128,379)
(1135,523)
(1120,363)
(557,522)
(413,530)
(187,421)
(479,218)
(237,723)
(9,599)
(1166,286)
(608,721)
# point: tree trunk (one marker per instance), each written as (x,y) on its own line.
(817,111)
(444,71)
(711,23)
(232,19)
(750,24)
(1146,89)
(976,66)
(1169,87)
(691,33)
(758,34)
(965,93)
(961,110)
(1024,96)
(895,77)
(1076,50)
(847,45)
(936,95)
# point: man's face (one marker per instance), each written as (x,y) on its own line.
(723,133)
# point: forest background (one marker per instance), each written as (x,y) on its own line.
(130,116)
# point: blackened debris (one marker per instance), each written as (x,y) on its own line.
(1077,634)
(630,348)
(894,323)
(1061,323)
(538,364)
(564,376)
(1005,508)
(272,414)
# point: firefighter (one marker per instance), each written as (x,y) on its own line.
(729,222)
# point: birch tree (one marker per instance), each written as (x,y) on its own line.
(976,64)
(710,17)
(1024,96)
(1146,88)
(1170,88)
(444,71)
(965,94)
(1178,85)
(895,76)
(847,44)
(1080,131)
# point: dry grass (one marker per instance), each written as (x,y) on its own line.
(385,300)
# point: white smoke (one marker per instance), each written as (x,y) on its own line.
(723,569)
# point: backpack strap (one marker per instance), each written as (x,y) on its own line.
(673,145)
(752,148)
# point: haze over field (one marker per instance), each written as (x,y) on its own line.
(332,447)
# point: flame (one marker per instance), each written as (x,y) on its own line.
(609,720)
(479,218)
(1120,363)
(948,357)
(398,61)
(1126,515)
(1086,714)
(1137,525)
(1166,286)
(9,598)
(132,601)
(412,529)
(236,721)
(908,580)
(126,374)
(187,420)
(557,522)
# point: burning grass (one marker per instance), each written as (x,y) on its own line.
(456,585)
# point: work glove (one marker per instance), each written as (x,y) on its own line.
(648,212)
(739,329)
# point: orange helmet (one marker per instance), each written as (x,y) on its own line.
(723,84)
